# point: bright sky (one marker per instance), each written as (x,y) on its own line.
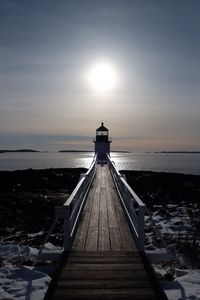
(149,97)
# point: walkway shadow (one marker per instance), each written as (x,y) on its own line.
(175,285)
(26,275)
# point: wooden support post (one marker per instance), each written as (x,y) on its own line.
(141,228)
(63,212)
(67,239)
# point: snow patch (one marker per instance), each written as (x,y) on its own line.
(184,287)
(50,246)
(22,283)
(19,281)
(186,284)
(17,253)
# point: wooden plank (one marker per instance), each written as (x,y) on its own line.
(92,239)
(95,208)
(105,294)
(90,198)
(109,267)
(103,175)
(105,254)
(104,283)
(125,233)
(139,274)
(110,179)
(115,239)
(92,234)
(97,259)
(127,239)
(111,209)
(115,236)
(104,238)
(81,234)
(91,194)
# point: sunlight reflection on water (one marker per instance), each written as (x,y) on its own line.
(161,162)
(15,161)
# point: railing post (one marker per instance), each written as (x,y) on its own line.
(127,194)
(141,228)
(67,240)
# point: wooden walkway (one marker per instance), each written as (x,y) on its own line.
(104,262)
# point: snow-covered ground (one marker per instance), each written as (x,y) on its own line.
(185,286)
(21,281)
(179,279)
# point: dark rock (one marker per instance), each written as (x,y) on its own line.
(168,276)
(28,199)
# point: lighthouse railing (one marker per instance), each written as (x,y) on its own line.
(132,204)
(70,212)
(73,206)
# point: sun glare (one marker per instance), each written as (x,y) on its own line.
(102,77)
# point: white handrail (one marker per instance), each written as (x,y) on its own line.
(80,183)
(74,205)
(133,205)
(70,211)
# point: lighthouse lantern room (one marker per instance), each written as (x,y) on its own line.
(102,143)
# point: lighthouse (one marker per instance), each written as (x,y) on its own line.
(102,143)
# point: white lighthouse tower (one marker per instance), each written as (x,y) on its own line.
(102,143)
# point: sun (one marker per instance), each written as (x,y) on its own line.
(102,77)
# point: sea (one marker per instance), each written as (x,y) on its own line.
(187,163)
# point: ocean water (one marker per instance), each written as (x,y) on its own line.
(187,163)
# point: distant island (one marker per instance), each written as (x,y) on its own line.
(60,151)
(193,152)
(78,151)
(18,150)
(120,151)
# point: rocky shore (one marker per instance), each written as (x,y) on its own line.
(174,203)
(164,188)
(28,199)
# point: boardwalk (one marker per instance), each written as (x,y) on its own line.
(104,262)
(103,227)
